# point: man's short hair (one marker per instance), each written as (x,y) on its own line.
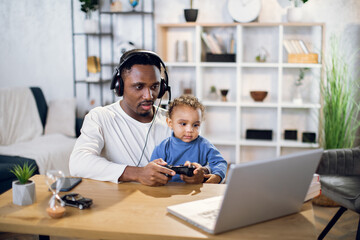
(141,58)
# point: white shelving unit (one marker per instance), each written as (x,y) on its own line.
(226,122)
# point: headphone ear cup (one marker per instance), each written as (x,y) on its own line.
(120,87)
(163,88)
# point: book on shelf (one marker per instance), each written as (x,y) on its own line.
(314,188)
(211,43)
(295,46)
(232,44)
(303,47)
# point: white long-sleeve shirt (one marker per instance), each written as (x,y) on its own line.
(110,140)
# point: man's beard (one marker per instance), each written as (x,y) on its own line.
(145,114)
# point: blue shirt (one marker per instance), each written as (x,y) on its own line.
(176,152)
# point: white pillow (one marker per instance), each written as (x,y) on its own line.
(61,117)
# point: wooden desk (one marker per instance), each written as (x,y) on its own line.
(134,211)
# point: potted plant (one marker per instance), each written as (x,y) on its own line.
(299,81)
(213,96)
(294,13)
(89,6)
(340,111)
(23,188)
(190,14)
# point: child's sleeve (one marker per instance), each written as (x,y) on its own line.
(217,163)
(159,152)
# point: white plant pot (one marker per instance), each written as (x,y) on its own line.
(90,26)
(23,194)
(294,14)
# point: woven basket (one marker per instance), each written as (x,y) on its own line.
(303,58)
(324,201)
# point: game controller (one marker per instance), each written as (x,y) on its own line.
(181,169)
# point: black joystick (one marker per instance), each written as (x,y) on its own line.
(181,169)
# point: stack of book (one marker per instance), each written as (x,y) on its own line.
(219,51)
(299,52)
(314,188)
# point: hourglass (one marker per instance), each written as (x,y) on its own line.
(55,180)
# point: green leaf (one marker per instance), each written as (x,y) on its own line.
(23,173)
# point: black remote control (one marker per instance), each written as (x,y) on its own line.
(181,169)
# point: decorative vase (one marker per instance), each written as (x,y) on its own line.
(90,26)
(23,194)
(294,14)
(297,96)
(190,15)
(213,96)
(181,51)
(224,93)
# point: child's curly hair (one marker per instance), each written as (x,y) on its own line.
(186,100)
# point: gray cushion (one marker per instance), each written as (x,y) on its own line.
(344,190)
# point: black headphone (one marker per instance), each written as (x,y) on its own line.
(117,83)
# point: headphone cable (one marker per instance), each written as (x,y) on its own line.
(147,135)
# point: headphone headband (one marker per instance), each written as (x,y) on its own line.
(117,83)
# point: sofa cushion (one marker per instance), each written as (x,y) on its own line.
(342,189)
(19,117)
(61,117)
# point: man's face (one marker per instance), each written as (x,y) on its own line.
(141,88)
(185,122)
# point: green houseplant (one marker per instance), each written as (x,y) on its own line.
(89,6)
(23,188)
(340,110)
(298,3)
(298,82)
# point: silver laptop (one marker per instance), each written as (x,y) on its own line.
(256,191)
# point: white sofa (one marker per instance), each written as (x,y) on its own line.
(30,128)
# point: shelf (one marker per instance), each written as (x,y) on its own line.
(180,64)
(302,65)
(298,144)
(304,105)
(257,65)
(277,112)
(217,64)
(258,105)
(93,34)
(127,13)
(94,82)
(218,103)
(105,44)
(263,143)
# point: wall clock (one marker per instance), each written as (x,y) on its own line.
(244,10)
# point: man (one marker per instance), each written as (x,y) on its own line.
(117,140)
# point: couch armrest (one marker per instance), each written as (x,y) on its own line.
(40,103)
(78,125)
(344,162)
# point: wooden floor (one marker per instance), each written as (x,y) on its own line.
(344,229)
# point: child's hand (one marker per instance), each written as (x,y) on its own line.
(212,178)
(198,174)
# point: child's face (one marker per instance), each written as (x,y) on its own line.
(185,122)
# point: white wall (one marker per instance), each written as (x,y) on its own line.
(36,45)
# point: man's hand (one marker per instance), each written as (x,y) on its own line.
(198,174)
(152,174)
(212,178)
